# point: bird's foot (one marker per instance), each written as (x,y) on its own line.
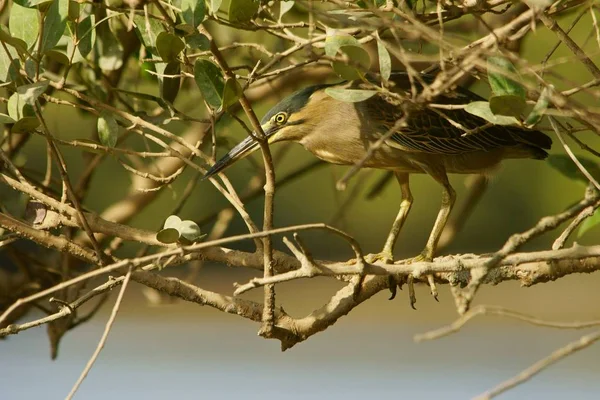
(411,288)
(394,281)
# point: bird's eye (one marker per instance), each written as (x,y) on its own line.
(280,118)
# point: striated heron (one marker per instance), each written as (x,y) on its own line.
(430,142)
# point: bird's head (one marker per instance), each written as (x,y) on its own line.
(290,120)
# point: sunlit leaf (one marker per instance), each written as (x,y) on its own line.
(482,110)
(209,79)
(24,24)
(55,22)
(190,230)
(169,46)
(385,62)
(334,41)
(284,7)
(173,221)
(193,12)
(242,10)
(508,105)
(350,95)
(502,85)
(231,92)
(30,93)
(356,55)
(10,40)
(9,64)
(215,5)
(18,108)
(148,30)
(540,107)
(108,130)
(565,165)
(589,223)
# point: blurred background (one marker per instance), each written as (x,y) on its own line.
(174,349)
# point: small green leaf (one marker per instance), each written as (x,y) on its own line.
(242,10)
(5,119)
(198,41)
(508,105)
(25,124)
(284,7)
(18,108)
(215,5)
(566,166)
(7,38)
(540,107)
(589,223)
(385,62)
(232,91)
(350,95)
(500,83)
(190,230)
(192,12)
(108,130)
(210,82)
(109,48)
(168,235)
(173,221)
(86,35)
(148,30)
(482,110)
(356,55)
(168,46)
(9,64)
(30,93)
(334,41)
(169,86)
(24,24)
(55,23)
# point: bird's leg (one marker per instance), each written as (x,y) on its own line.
(448,199)
(386,254)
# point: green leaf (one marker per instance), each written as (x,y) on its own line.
(110,50)
(24,24)
(30,93)
(350,95)
(190,230)
(509,105)
(210,82)
(168,46)
(198,41)
(169,87)
(540,107)
(500,83)
(86,35)
(172,222)
(148,30)
(565,165)
(108,130)
(55,23)
(356,55)
(242,10)
(284,7)
(25,124)
(6,119)
(18,108)
(7,38)
(334,41)
(215,5)
(232,91)
(482,110)
(385,62)
(9,64)
(168,236)
(33,3)
(193,12)
(589,223)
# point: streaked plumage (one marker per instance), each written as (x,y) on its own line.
(341,133)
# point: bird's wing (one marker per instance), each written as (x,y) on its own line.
(442,131)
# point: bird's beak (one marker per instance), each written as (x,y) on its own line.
(241,150)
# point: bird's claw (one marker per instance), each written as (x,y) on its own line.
(387,258)
(430,280)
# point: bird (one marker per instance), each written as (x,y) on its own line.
(430,142)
